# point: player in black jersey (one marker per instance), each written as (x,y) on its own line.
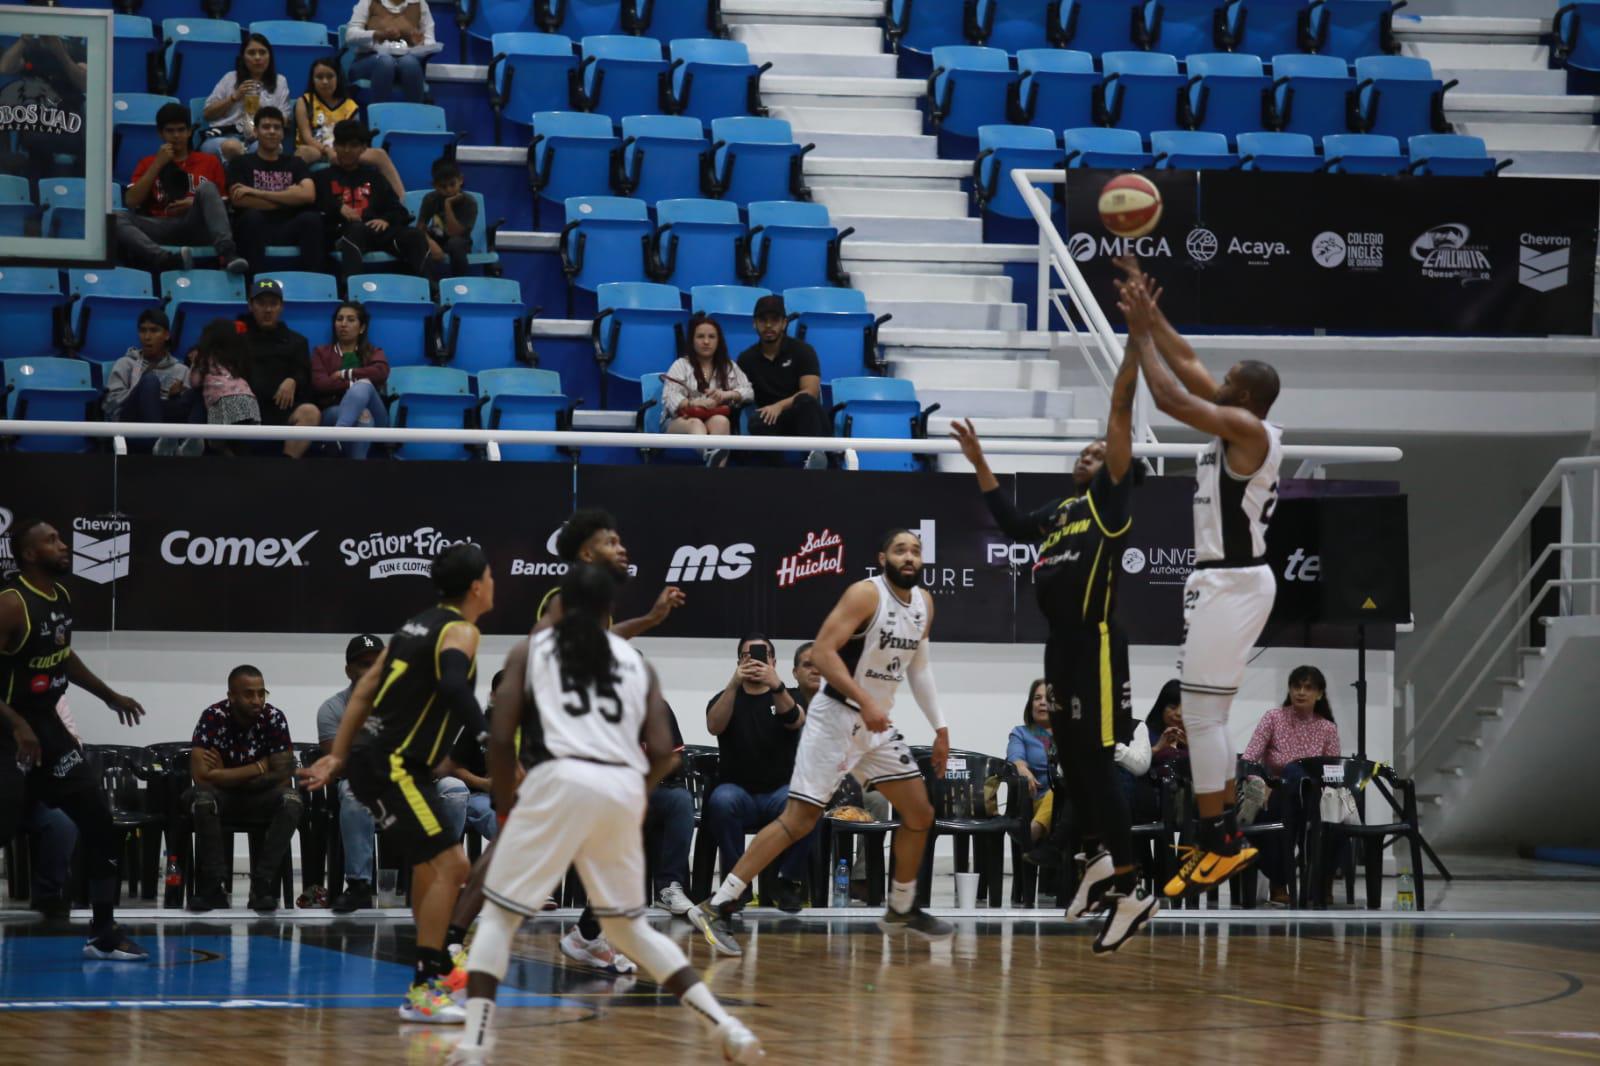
(406,710)
(1086,658)
(39,758)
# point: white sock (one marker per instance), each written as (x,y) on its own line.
(700,1000)
(902,895)
(729,891)
(479,1014)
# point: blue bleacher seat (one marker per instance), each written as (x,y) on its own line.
(605,239)
(483,324)
(792,246)
(1055,88)
(414,135)
(195,297)
(16,205)
(880,407)
(482,251)
(920,26)
(309,301)
(639,330)
(573,154)
(1452,154)
(1141,90)
(30,303)
(1228,93)
(429,397)
(579,18)
(1362,153)
(1107,149)
(1313,95)
(714,79)
(1002,149)
(133,130)
(199,52)
(1099,26)
(47,389)
(1267,28)
(1292,152)
(1189,27)
(105,309)
(1577,37)
(838,325)
(245,12)
(664,157)
(673,20)
(1012,25)
(697,242)
(1399,96)
(134,45)
(524,398)
(294,45)
(623,76)
(733,306)
(402,313)
(486,18)
(756,159)
(1191,150)
(62,201)
(969,87)
(1353,28)
(530,72)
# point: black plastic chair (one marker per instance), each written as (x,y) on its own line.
(1372,837)
(138,810)
(960,811)
(839,841)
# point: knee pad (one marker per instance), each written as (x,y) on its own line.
(655,954)
(1205,720)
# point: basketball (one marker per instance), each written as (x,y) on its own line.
(1130,205)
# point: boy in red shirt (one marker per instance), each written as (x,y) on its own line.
(176,198)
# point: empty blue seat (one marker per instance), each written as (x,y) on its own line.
(530,72)
(1191,150)
(1099,26)
(402,313)
(309,301)
(969,87)
(714,79)
(483,323)
(1002,149)
(244,12)
(920,26)
(1353,28)
(481,252)
(605,239)
(793,245)
(525,398)
(1141,90)
(105,309)
(134,52)
(30,303)
(623,76)
(62,200)
(429,397)
(195,297)
(639,330)
(579,18)
(1362,153)
(756,159)
(672,20)
(1228,93)
(1267,28)
(1291,152)
(45,389)
(838,325)
(1399,96)
(414,135)
(884,408)
(734,308)
(1012,25)
(16,205)
(133,130)
(1106,149)
(1577,36)
(295,45)
(1187,27)
(697,242)
(1313,95)
(199,52)
(486,18)
(664,157)
(1056,88)
(1452,154)
(573,154)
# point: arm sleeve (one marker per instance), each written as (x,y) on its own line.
(741,382)
(674,393)
(1260,739)
(1331,748)
(467,213)
(1011,523)
(117,387)
(376,371)
(456,689)
(356,32)
(923,688)
(1015,748)
(280,741)
(1134,756)
(430,44)
(301,370)
(322,378)
(327,721)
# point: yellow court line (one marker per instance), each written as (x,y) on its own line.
(1432,1030)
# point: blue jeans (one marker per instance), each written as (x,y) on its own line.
(54,837)
(731,812)
(464,808)
(382,70)
(356,830)
(668,833)
(360,396)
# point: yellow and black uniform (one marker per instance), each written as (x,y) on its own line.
(33,672)
(408,732)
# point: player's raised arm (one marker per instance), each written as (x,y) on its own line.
(458,647)
(853,611)
(1119,422)
(1168,341)
(1013,524)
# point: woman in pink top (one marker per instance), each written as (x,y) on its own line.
(1303,728)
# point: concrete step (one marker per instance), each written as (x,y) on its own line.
(1537,82)
(933,314)
(1479,56)
(958,355)
(899,203)
(1511,682)
(806,90)
(1019,428)
(1470,742)
(956,288)
(978,373)
(822,12)
(854,263)
(1450,771)
(825,64)
(958,342)
(999,403)
(901,121)
(822,39)
(1540,137)
(1554,164)
(942,258)
(910,230)
(1522,107)
(942,174)
(1489,713)
(1490,30)
(874,145)
(1537,653)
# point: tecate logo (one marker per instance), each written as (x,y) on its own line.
(1201,244)
(1084,247)
(182,548)
(1303,567)
(707,563)
(100,548)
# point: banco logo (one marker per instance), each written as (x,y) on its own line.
(707,562)
(1201,244)
(182,548)
(100,548)
(1133,561)
(1543,262)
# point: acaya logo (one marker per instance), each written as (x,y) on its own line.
(937,580)
(182,548)
(821,553)
(100,548)
(707,562)
(1543,262)
(1444,252)
(398,553)
(1084,247)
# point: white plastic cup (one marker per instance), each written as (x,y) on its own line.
(389,888)
(966,891)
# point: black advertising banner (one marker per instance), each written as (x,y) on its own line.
(1357,253)
(76,494)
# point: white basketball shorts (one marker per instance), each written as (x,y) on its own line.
(834,743)
(1224,611)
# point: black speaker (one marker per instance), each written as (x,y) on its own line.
(1366,560)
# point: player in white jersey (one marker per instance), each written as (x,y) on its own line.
(591,699)
(1227,599)
(873,639)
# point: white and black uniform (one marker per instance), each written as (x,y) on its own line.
(583,799)
(834,742)
(1227,599)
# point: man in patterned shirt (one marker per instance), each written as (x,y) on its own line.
(243,767)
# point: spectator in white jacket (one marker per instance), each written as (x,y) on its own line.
(391,38)
(702,392)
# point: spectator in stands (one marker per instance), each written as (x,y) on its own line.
(220,368)
(347,376)
(326,103)
(243,767)
(45,71)
(392,40)
(807,678)
(1164,726)
(176,198)
(703,390)
(787,382)
(757,722)
(272,193)
(360,209)
(356,828)
(279,364)
(234,106)
(1031,749)
(669,834)
(1302,728)
(446,220)
(147,384)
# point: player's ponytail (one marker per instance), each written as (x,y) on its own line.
(582,644)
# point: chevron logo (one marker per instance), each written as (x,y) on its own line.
(1544,262)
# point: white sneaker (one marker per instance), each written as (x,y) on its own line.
(1127,915)
(596,953)
(1092,885)
(674,900)
(852,461)
(817,461)
(738,1043)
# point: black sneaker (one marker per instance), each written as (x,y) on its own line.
(714,926)
(263,896)
(230,259)
(791,896)
(357,896)
(210,898)
(110,945)
(917,922)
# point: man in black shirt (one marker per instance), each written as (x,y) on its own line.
(788,384)
(270,191)
(280,365)
(360,209)
(757,722)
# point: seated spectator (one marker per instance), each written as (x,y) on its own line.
(1164,726)
(243,767)
(272,196)
(703,391)
(669,834)
(787,382)
(219,368)
(1031,749)
(446,220)
(757,722)
(233,108)
(1303,728)
(325,104)
(279,365)
(147,384)
(44,72)
(347,376)
(176,198)
(357,832)
(392,41)
(360,210)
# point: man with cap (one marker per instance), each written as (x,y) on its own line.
(787,381)
(356,827)
(148,384)
(280,364)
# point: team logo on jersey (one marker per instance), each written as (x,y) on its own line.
(396,554)
(890,672)
(707,562)
(1077,709)
(820,553)
(100,548)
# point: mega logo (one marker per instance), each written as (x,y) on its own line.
(707,563)
(821,553)
(100,548)
(182,548)
(1446,252)
(395,554)
(1085,246)
(1543,262)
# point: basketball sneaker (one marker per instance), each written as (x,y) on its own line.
(1126,915)
(713,925)
(456,981)
(430,1003)
(1203,870)
(674,900)
(739,1044)
(917,922)
(597,954)
(1094,879)
(112,945)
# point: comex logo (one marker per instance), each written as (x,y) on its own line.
(1133,561)
(100,548)
(1543,262)
(1201,244)
(1328,250)
(182,548)
(707,562)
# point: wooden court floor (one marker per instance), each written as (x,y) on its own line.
(817,990)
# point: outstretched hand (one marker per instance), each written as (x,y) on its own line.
(967,437)
(1137,304)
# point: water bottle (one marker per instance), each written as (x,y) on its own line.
(174,880)
(841,884)
(1405,898)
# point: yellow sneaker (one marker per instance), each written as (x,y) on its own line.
(1204,870)
(431,1004)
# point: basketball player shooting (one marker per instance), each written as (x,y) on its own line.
(1228,597)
